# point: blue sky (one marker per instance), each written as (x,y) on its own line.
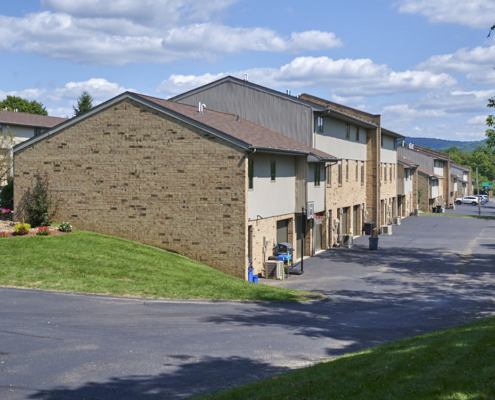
(425,65)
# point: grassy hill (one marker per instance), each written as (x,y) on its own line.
(439,144)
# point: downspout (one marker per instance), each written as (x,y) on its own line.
(378,174)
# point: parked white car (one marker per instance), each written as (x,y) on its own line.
(484,198)
(467,200)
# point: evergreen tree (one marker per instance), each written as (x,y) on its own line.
(84,103)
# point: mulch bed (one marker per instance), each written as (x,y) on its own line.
(33,232)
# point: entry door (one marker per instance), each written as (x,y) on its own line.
(318,234)
(283,231)
(299,236)
(355,214)
(345,230)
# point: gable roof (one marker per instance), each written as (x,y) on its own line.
(429,173)
(406,162)
(232,79)
(34,120)
(435,154)
(236,130)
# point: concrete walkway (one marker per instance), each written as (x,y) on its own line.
(434,272)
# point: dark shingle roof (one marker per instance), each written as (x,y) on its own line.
(429,173)
(407,162)
(18,118)
(238,128)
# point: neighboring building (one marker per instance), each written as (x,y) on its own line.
(434,181)
(353,190)
(24,126)
(209,185)
(407,187)
(464,186)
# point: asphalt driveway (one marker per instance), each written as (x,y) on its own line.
(434,272)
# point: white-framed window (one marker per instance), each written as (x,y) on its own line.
(438,164)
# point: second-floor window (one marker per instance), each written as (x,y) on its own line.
(357,134)
(37,131)
(329,175)
(319,124)
(391,169)
(357,171)
(340,172)
(273,170)
(347,131)
(362,172)
(438,164)
(347,170)
(251,173)
(317,174)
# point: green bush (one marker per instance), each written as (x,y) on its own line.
(7,195)
(37,206)
(20,227)
(65,227)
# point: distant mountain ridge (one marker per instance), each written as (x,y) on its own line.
(439,144)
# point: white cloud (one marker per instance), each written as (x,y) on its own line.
(124,31)
(343,77)
(59,101)
(476,14)
(478,120)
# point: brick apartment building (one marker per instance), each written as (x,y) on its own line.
(209,185)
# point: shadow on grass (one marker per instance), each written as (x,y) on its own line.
(190,379)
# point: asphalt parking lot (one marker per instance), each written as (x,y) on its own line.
(487,209)
(433,272)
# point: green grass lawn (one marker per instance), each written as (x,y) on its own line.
(457,363)
(87,262)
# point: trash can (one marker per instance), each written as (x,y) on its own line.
(434,210)
(368,228)
(255,279)
(439,209)
(250,274)
(373,243)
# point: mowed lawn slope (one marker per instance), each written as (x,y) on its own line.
(457,363)
(87,262)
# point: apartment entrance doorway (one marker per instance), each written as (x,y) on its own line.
(355,215)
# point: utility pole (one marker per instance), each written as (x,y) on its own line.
(478,192)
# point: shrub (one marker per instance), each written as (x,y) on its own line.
(65,227)
(3,234)
(7,195)
(36,205)
(18,227)
(43,231)
(21,231)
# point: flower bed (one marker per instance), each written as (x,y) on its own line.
(5,214)
(7,230)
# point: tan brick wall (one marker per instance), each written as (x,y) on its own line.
(388,192)
(372,176)
(132,172)
(423,186)
(267,228)
(350,193)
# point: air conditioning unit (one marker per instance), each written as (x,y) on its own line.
(274,269)
(387,230)
(397,220)
(347,241)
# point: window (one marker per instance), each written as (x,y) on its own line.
(385,172)
(340,172)
(391,169)
(406,173)
(357,171)
(347,131)
(319,124)
(317,174)
(362,172)
(251,173)
(434,182)
(329,175)
(273,170)
(347,170)
(438,164)
(382,139)
(357,134)
(37,131)
(395,144)
(1,128)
